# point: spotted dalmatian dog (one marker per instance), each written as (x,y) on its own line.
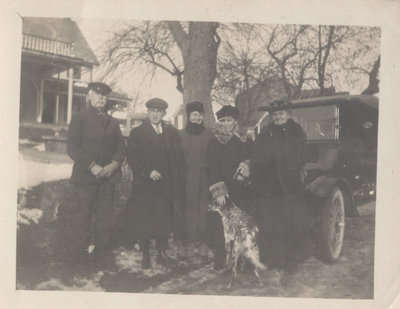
(241,235)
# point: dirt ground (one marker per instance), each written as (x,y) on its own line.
(41,240)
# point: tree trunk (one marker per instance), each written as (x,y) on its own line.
(199,48)
(373,86)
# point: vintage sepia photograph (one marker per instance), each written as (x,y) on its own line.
(197,157)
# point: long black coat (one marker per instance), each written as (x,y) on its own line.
(156,207)
(94,138)
(223,159)
(278,157)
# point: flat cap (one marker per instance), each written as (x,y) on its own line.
(100,88)
(157,103)
(228,111)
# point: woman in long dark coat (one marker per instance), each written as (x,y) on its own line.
(226,153)
(195,138)
(278,157)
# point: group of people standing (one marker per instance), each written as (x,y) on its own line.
(177,173)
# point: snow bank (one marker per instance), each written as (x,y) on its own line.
(32,173)
(78,284)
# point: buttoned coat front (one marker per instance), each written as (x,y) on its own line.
(156,208)
(94,138)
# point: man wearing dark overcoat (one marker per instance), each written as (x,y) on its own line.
(155,155)
(97,147)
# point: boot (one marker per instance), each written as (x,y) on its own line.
(163,259)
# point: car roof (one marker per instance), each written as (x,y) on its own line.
(368,100)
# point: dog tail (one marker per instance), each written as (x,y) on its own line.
(258,264)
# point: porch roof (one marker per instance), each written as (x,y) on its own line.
(56,37)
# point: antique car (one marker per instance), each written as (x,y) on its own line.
(341,169)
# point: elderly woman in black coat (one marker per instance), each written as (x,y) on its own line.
(227,155)
(277,162)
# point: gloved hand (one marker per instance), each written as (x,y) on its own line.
(126,172)
(155,175)
(221,200)
(96,171)
(244,168)
(109,169)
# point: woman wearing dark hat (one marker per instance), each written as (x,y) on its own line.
(278,157)
(195,138)
(227,157)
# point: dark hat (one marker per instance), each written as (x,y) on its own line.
(194,107)
(100,88)
(280,105)
(228,111)
(157,103)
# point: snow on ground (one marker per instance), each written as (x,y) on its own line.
(32,173)
(130,260)
(78,283)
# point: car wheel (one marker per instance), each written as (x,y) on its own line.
(332,225)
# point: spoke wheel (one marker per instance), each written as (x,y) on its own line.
(332,225)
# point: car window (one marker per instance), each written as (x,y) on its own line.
(318,122)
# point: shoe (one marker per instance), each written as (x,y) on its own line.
(163,259)
(146,260)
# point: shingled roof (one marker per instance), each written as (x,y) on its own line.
(60,29)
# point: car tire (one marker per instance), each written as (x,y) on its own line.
(333,225)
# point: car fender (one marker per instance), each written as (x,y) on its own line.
(322,187)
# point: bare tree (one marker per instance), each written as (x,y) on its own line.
(187,51)
(373,85)
(300,56)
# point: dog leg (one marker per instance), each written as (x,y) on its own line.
(255,260)
(228,252)
(258,276)
(235,254)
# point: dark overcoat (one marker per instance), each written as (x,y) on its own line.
(278,156)
(223,159)
(196,185)
(94,138)
(155,208)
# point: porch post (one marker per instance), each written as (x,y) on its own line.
(70,93)
(39,103)
(57,108)
(128,116)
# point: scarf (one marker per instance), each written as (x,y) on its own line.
(194,128)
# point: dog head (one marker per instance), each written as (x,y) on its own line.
(214,206)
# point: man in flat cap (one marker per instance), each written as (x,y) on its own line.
(155,155)
(97,147)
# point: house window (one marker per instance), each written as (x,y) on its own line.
(77,73)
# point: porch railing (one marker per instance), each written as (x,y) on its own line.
(48,46)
